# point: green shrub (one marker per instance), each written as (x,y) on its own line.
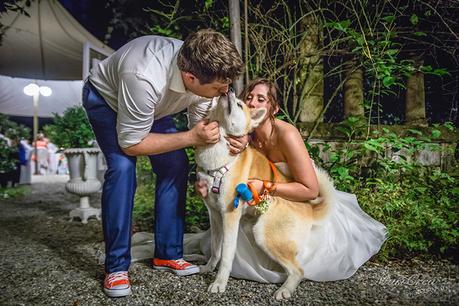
(196,210)
(143,215)
(71,130)
(13,192)
(418,204)
(420,214)
(7,157)
(15,132)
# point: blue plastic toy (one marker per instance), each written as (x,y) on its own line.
(243,192)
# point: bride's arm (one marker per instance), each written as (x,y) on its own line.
(305,186)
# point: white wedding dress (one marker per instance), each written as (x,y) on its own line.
(337,247)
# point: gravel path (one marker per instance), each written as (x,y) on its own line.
(47,260)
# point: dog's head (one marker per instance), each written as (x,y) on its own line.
(235,117)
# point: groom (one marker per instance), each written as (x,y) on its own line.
(129,98)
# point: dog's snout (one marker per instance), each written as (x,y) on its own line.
(228,98)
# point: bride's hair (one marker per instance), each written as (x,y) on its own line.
(272,98)
(272,95)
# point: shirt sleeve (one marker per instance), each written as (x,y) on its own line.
(137,98)
(198,110)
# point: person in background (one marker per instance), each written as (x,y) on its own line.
(41,141)
(25,154)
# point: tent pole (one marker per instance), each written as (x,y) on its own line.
(35,128)
(86,51)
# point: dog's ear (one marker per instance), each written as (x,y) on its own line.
(257,115)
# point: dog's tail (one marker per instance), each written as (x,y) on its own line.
(324,203)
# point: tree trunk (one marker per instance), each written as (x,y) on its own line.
(353,91)
(415,111)
(235,22)
(313,98)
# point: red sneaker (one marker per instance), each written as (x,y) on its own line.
(117,284)
(178,267)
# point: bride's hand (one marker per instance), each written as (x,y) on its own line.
(257,185)
(237,144)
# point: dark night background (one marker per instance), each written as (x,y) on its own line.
(442,94)
(95,17)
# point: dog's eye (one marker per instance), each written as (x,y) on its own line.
(240,106)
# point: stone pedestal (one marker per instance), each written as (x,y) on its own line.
(83,181)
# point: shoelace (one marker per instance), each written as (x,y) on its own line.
(181,262)
(115,276)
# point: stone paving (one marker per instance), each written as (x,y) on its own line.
(47,260)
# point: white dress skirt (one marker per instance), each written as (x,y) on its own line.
(337,247)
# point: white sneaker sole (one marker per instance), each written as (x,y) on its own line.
(190,271)
(117,292)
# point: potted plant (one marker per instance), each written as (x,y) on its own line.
(72,132)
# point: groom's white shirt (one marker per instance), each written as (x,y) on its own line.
(141,82)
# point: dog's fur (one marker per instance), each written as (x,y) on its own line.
(280,231)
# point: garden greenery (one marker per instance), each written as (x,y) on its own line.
(8,153)
(71,130)
(196,212)
(418,204)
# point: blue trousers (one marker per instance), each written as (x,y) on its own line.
(171,171)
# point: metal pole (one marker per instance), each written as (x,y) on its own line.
(86,60)
(235,23)
(246,41)
(36,97)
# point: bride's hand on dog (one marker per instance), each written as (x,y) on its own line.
(205,132)
(237,144)
(257,184)
(201,188)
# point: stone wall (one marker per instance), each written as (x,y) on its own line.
(446,157)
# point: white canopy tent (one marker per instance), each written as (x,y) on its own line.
(49,48)
(50,44)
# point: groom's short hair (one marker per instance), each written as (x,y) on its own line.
(210,56)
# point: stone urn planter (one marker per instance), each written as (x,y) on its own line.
(83,181)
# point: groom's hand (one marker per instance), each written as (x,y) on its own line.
(205,132)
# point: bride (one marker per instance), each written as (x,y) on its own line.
(341,244)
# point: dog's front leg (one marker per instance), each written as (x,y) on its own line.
(216,236)
(230,231)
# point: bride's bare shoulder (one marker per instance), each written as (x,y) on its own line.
(287,131)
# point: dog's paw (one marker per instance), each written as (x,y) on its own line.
(282,294)
(205,269)
(217,287)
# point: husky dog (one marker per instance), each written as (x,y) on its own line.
(281,229)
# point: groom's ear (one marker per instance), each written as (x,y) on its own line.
(189,76)
(256,116)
